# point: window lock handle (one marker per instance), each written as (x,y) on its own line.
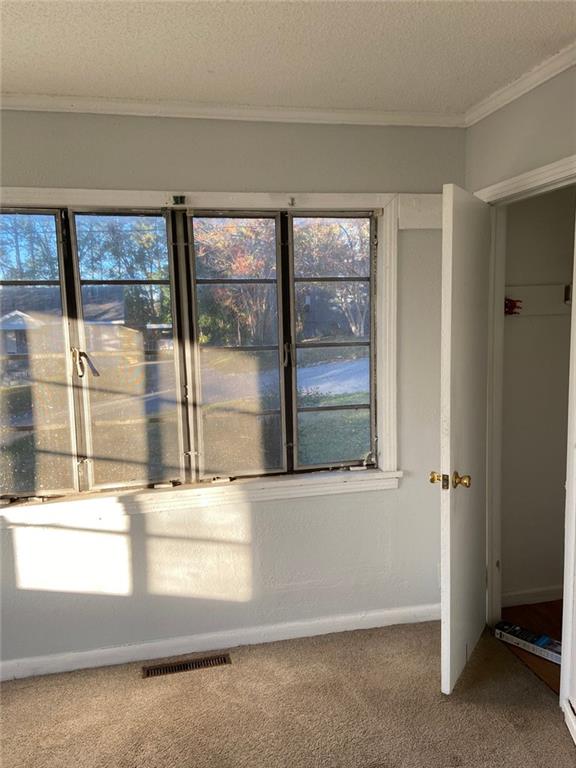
(78,362)
(288,355)
(80,359)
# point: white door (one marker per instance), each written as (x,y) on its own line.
(466,232)
(568,673)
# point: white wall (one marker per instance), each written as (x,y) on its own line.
(540,245)
(110,152)
(536,129)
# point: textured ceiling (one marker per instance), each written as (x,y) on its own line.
(440,57)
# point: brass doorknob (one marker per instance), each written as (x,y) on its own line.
(464,480)
(435,477)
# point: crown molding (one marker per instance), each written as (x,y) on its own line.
(82,104)
(555,175)
(553,66)
(545,71)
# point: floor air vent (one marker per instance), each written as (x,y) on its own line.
(201,662)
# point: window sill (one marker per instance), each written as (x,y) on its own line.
(296,486)
(237,491)
(273,488)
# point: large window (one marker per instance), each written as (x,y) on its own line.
(138,348)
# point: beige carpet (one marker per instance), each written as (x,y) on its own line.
(367,699)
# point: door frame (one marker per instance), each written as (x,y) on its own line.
(544,179)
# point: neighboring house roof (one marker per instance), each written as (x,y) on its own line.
(19,321)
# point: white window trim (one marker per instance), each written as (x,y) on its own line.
(386,338)
(242,490)
(318,483)
(125,198)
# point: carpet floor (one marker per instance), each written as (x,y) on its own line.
(365,699)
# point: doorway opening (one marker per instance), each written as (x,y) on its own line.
(535,383)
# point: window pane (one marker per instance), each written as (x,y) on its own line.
(122,247)
(129,449)
(338,311)
(237,315)
(331,437)
(235,247)
(331,247)
(241,443)
(28,247)
(333,376)
(132,380)
(238,386)
(35,422)
(145,308)
(239,381)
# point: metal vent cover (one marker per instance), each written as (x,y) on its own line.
(200,662)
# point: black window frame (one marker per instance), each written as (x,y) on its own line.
(291,296)
(86,460)
(182,281)
(201,475)
(68,309)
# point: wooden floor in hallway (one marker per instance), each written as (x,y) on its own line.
(541,618)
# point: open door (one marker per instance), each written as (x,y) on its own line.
(466,232)
(568,672)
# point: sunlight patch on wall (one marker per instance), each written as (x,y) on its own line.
(229,523)
(64,560)
(203,553)
(201,569)
(92,513)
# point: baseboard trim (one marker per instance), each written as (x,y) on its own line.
(100,657)
(528,596)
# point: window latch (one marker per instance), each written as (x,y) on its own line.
(288,355)
(78,358)
(78,362)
